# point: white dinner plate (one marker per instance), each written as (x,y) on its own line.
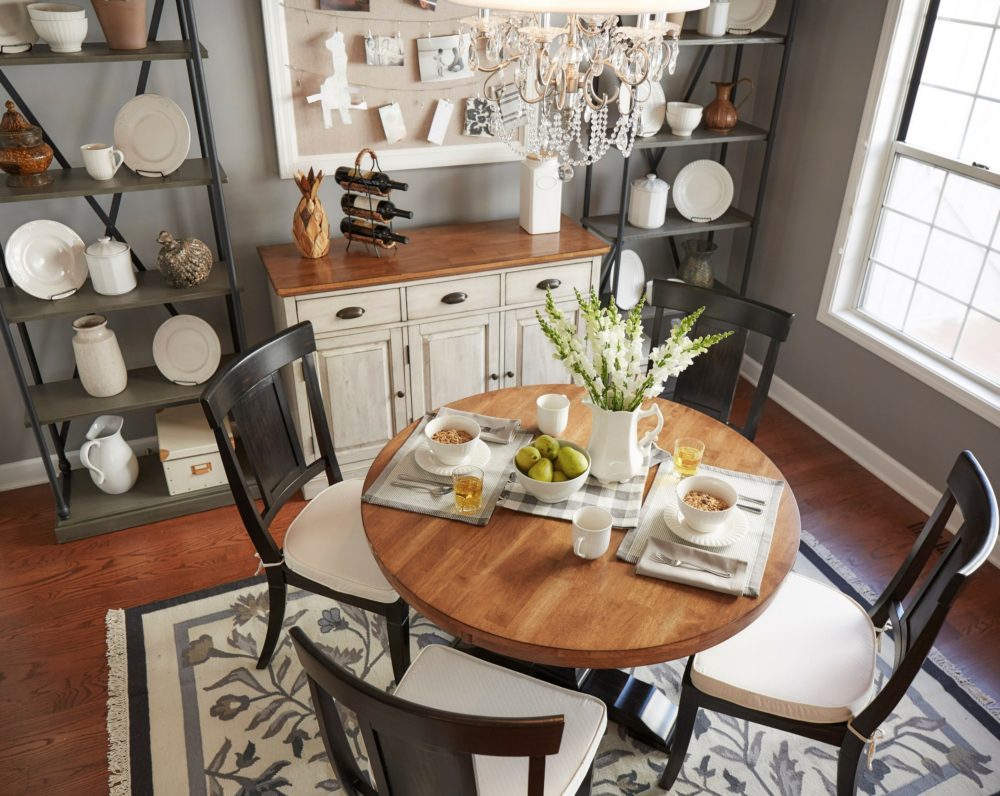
(703,190)
(46,259)
(731,531)
(631,280)
(153,133)
(16,32)
(428,461)
(186,350)
(746,16)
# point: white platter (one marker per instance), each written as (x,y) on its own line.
(46,259)
(631,280)
(746,16)
(703,190)
(186,350)
(16,32)
(732,531)
(154,135)
(427,461)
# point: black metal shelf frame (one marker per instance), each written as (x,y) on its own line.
(189,50)
(655,148)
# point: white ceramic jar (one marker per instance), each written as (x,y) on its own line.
(712,19)
(110,265)
(98,357)
(648,204)
(541,195)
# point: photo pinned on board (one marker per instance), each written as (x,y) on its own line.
(478,115)
(345,5)
(384,50)
(443,58)
(392,122)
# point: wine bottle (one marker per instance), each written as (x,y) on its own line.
(362,206)
(375,182)
(369,232)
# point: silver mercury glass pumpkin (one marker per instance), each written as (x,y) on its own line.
(183,263)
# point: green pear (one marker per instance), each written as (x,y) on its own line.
(541,470)
(572,462)
(526,457)
(558,476)
(547,446)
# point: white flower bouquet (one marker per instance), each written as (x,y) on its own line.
(609,362)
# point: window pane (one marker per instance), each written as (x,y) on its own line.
(939,121)
(978,349)
(900,242)
(915,188)
(982,141)
(969,208)
(974,10)
(987,296)
(934,319)
(956,56)
(887,295)
(952,265)
(990,87)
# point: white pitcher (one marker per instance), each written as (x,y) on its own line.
(616,453)
(111,461)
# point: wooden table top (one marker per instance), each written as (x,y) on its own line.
(514,586)
(450,250)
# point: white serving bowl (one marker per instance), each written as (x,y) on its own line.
(56,11)
(705,521)
(556,491)
(63,35)
(683,117)
(452,454)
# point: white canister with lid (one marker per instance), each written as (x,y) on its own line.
(712,19)
(110,265)
(648,204)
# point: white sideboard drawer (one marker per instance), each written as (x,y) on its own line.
(530,286)
(351,311)
(457,295)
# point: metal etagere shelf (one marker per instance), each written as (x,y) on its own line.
(81,509)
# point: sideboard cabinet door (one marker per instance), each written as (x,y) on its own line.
(453,359)
(528,353)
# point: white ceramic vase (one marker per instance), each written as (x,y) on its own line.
(98,357)
(112,463)
(541,196)
(616,453)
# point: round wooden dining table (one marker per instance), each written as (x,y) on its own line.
(514,588)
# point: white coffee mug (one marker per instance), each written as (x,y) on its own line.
(102,161)
(591,532)
(552,413)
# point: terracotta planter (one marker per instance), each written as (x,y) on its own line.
(123,23)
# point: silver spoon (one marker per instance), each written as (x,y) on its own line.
(676,562)
(749,509)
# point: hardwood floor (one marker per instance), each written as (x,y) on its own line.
(53,598)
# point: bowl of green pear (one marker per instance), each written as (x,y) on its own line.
(551,469)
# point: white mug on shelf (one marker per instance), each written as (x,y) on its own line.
(102,161)
(552,413)
(712,20)
(591,532)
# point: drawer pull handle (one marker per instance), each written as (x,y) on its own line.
(549,284)
(201,469)
(400,394)
(494,377)
(350,313)
(454,298)
(509,374)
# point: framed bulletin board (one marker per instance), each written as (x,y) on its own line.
(304,40)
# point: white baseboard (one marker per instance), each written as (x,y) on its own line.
(896,476)
(29,472)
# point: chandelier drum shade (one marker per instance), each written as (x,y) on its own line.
(552,88)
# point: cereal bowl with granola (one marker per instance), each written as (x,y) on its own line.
(452,438)
(705,503)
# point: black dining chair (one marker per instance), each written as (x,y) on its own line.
(807,665)
(455,725)
(325,549)
(709,384)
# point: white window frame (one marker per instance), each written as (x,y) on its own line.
(866,186)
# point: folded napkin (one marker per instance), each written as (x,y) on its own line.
(652,568)
(502,429)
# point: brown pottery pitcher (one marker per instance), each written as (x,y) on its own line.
(720,114)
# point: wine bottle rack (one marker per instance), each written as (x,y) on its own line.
(366,191)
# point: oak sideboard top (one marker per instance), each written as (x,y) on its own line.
(451,250)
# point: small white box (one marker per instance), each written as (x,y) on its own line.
(190,456)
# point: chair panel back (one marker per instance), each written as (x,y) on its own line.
(414,750)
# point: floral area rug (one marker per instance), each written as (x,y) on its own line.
(189,713)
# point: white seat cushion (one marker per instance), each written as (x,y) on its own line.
(327,544)
(810,656)
(444,678)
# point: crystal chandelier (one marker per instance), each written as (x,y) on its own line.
(552,88)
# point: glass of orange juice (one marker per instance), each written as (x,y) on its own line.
(687,456)
(468,484)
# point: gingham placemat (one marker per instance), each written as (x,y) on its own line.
(753,548)
(496,472)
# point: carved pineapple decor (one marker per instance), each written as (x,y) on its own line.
(310,228)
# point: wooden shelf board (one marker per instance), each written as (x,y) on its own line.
(690,38)
(92,512)
(98,52)
(151,290)
(147,388)
(76,182)
(676,224)
(741,133)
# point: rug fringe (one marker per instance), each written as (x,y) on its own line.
(119,774)
(988,703)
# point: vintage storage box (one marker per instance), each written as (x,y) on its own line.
(190,457)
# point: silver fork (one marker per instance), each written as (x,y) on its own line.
(676,562)
(439,491)
(417,480)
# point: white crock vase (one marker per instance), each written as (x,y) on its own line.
(112,463)
(98,357)
(616,453)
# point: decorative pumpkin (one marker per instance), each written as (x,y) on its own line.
(183,263)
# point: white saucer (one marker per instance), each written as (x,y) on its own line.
(427,461)
(731,531)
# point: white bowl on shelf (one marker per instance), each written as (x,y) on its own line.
(683,118)
(55,12)
(555,491)
(63,26)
